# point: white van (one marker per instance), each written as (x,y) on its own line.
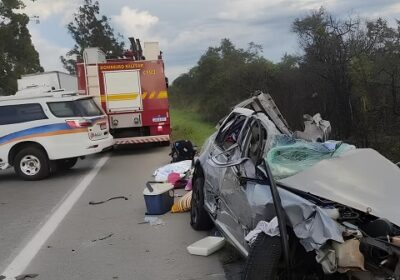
(46,131)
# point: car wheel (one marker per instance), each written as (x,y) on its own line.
(263,259)
(32,164)
(199,219)
(66,164)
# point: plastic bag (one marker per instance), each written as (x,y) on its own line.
(290,156)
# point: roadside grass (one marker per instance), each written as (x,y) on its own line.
(189,126)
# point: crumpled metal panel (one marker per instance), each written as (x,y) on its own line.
(362,179)
(310,223)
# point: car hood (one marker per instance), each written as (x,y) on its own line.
(362,179)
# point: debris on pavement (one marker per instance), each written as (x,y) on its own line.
(161,174)
(183,204)
(153,221)
(180,184)
(159,197)
(182,150)
(173,177)
(206,246)
(25,276)
(103,201)
(188,186)
(103,238)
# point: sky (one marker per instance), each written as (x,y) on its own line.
(186,28)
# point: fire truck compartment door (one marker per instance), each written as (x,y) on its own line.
(123,90)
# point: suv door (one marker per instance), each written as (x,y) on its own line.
(239,214)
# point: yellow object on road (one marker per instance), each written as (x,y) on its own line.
(183,204)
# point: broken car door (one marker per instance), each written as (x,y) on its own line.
(236,211)
(224,149)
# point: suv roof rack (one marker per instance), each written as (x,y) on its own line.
(40,93)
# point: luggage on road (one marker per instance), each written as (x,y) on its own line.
(182,150)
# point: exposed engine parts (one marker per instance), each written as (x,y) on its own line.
(371,248)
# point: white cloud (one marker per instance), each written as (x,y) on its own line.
(186,31)
(392,10)
(245,10)
(49,52)
(136,23)
(47,8)
(173,72)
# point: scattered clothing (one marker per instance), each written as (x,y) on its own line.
(173,178)
(182,167)
(189,185)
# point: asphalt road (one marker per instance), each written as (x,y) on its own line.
(105,241)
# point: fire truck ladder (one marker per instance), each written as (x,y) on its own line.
(91,58)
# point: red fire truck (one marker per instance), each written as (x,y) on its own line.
(132,90)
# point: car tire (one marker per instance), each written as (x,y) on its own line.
(66,164)
(199,219)
(32,164)
(263,259)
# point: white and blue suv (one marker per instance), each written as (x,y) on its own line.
(43,131)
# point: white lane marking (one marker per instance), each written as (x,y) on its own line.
(23,259)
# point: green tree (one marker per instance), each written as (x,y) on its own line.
(17,54)
(329,45)
(89,29)
(223,76)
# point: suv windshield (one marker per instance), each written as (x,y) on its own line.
(78,108)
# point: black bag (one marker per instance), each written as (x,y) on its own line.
(182,150)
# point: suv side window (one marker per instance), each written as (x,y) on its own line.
(229,134)
(11,114)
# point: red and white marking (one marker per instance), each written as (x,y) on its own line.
(141,140)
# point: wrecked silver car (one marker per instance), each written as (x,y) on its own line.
(298,209)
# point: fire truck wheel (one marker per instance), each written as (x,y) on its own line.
(31,164)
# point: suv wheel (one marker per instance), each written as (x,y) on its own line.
(263,259)
(199,219)
(32,164)
(66,164)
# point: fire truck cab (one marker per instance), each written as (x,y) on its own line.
(132,91)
